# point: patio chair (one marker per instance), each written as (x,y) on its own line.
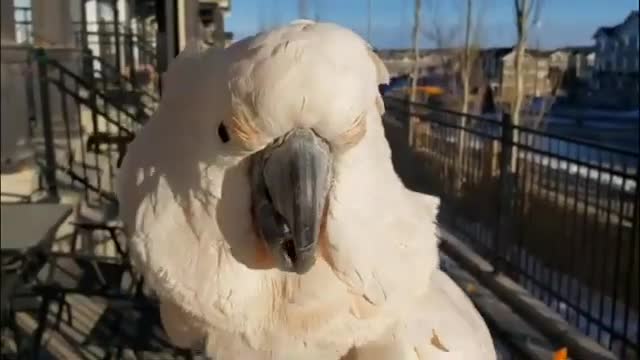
(63,274)
(130,320)
(33,285)
(113,231)
(135,325)
(17,274)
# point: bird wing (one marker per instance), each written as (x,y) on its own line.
(164,192)
(447,325)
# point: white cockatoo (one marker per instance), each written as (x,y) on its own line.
(263,209)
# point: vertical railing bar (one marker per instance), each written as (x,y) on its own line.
(83,153)
(94,122)
(465,155)
(632,251)
(585,237)
(116,31)
(536,197)
(519,211)
(591,276)
(477,170)
(556,273)
(506,149)
(545,198)
(65,118)
(617,263)
(605,253)
(131,60)
(109,150)
(574,238)
(564,281)
(528,192)
(49,148)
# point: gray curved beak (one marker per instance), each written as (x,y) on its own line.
(291,180)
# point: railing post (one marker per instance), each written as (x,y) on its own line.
(116,33)
(47,130)
(505,191)
(131,59)
(87,62)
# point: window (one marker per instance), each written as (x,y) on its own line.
(632,41)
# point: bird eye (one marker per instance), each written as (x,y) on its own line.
(223,133)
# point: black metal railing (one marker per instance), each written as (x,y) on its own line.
(558,215)
(121,89)
(83,133)
(117,39)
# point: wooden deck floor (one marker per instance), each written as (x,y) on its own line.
(98,329)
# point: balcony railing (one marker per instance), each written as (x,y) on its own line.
(556,214)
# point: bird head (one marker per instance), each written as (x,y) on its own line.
(276,119)
(299,99)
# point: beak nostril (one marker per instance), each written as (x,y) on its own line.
(290,251)
(267,196)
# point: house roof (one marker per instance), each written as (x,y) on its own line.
(612,30)
(531,52)
(539,53)
(497,51)
(576,49)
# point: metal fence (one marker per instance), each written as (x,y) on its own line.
(82,132)
(122,46)
(558,215)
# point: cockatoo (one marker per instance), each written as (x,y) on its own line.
(263,209)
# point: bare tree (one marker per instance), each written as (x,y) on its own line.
(526,14)
(453,52)
(318,6)
(413,121)
(468,60)
(369,21)
(440,35)
(458,52)
(303,9)
(416,49)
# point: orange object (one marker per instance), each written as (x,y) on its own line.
(429,90)
(562,354)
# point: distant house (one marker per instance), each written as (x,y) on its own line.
(491,60)
(571,70)
(536,70)
(616,62)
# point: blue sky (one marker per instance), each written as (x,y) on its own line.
(562,22)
